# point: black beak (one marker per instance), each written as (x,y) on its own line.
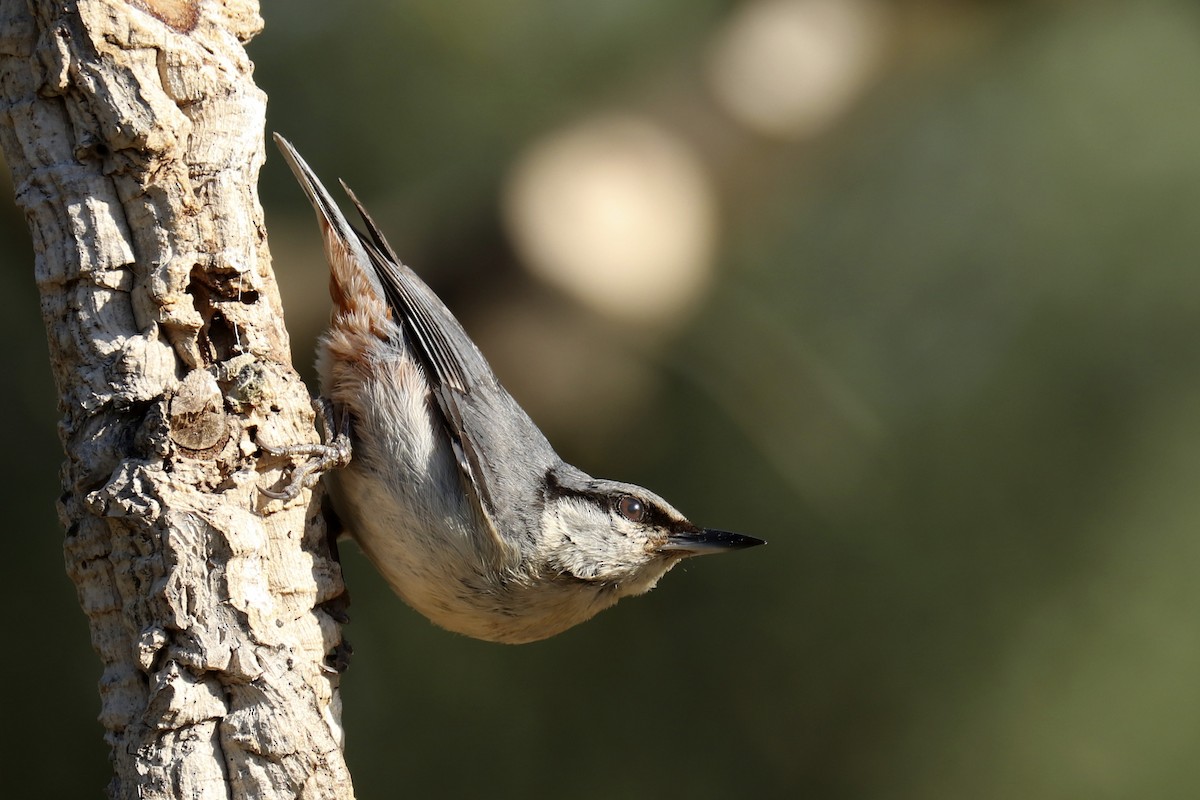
(703,541)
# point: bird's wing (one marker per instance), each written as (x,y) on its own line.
(502,455)
(451,362)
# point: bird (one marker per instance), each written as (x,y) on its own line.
(450,489)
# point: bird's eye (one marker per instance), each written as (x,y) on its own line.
(631,508)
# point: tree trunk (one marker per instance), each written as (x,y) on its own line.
(135,134)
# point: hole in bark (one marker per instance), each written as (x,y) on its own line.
(222,337)
(218,336)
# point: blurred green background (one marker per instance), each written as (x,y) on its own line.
(935,336)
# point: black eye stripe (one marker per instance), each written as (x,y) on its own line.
(606,501)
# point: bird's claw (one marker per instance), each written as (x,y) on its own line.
(335,452)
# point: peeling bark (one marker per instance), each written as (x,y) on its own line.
(134,133)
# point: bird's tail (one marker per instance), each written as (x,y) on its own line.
(353,284)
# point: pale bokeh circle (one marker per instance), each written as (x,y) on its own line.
(790,68)
(619,213)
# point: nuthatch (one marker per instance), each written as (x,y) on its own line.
(452,491)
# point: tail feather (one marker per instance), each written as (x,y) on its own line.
(348,260)
(372,229)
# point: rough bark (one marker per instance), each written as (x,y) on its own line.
(135,135)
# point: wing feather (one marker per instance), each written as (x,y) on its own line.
(437,341)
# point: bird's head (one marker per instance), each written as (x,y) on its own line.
(618,536)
